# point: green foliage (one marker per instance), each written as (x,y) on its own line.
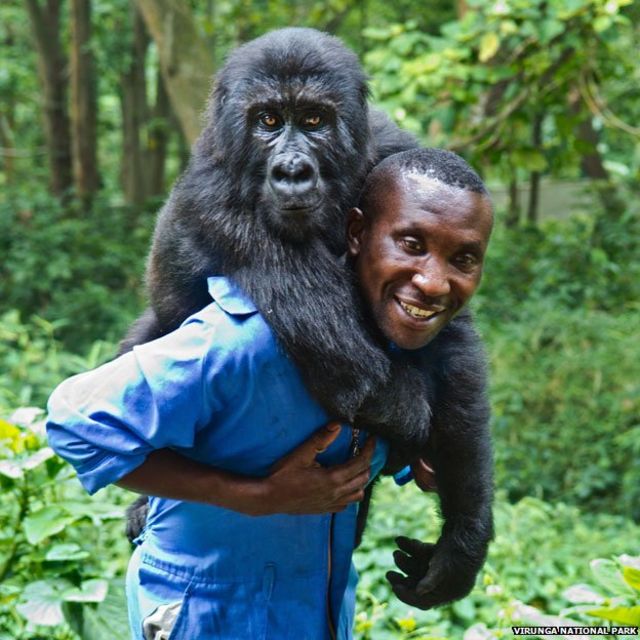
(563,263)
(481,84)
(558,309)
(32,361)
(566,401)
(540,551)
(51,578)
(79,269)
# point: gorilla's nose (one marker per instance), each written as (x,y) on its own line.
(293,175)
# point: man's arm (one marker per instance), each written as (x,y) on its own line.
(297,484)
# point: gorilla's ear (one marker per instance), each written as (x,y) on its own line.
(355,230)
(218,95)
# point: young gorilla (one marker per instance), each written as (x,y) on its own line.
(287,144)
(207,417)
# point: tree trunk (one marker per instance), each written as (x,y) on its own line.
(84,103)
(591,162)
(534,182)
(52,71)
(133,101)
(186,62)
(513,208)
(157,139)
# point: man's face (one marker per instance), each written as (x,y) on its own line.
(419,259)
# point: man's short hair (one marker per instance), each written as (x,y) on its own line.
(439,164)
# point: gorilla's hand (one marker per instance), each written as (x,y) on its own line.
(435,573)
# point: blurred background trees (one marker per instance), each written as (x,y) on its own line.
(99,104)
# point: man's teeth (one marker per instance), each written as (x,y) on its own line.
(417,312)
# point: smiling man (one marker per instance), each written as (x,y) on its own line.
(418,242)
(417,245)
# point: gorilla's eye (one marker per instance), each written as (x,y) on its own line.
(270,120)
(312,120)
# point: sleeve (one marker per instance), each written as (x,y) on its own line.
(105,422)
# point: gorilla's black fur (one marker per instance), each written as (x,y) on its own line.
(288,141)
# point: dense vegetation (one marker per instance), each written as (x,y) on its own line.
(525,90)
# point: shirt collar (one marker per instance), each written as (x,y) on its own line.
(229,296)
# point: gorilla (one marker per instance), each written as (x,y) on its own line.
(287,143)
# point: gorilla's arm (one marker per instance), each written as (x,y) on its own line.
(460,451)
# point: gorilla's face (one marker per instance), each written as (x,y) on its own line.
(295,142)
(291,123)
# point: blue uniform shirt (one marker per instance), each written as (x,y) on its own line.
(219,390)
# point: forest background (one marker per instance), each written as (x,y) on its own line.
(99,103)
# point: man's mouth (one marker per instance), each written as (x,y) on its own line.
(420,313)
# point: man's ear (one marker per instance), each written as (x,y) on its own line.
(355,230)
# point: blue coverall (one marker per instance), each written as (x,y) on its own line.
(219,390)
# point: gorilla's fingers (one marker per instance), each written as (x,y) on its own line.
(408,564)
(397,579)
(415,547)
(404,591)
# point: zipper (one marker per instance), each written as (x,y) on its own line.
(332,629)
(354,450)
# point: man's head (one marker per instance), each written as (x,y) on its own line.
(418,241)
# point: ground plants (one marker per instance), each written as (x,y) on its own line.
(62,554)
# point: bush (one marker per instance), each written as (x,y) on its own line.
(33,362)
(540,550)
(62,554)
(79,269)
(565,394)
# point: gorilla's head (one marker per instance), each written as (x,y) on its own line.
(288,126)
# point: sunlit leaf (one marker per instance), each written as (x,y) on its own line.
(60,552)
(37,458)
(43,602)
(90,591)
(10,469)
(489,45)
(582,593)
(622,615)
(607,573)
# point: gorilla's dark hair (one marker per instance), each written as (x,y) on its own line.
(439,164)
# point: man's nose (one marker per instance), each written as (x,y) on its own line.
(432,281)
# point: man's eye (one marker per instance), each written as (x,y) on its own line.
(466,261)
(411,244)
(312,120)
(270,120)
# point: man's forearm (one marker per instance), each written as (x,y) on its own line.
(168,474)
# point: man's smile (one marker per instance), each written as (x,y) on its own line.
(418,311)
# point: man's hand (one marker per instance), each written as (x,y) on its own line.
(424,475)
(298,484)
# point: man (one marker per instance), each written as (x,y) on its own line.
(214,419)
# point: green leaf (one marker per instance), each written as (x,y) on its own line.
(46,522)
(36,459)
(62,552)
(10,469)
(631,571)
(489,45)
(90,591)
(607,574)
(602,23)
(622,615)
(530,160)
(108,620)
(43,602)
